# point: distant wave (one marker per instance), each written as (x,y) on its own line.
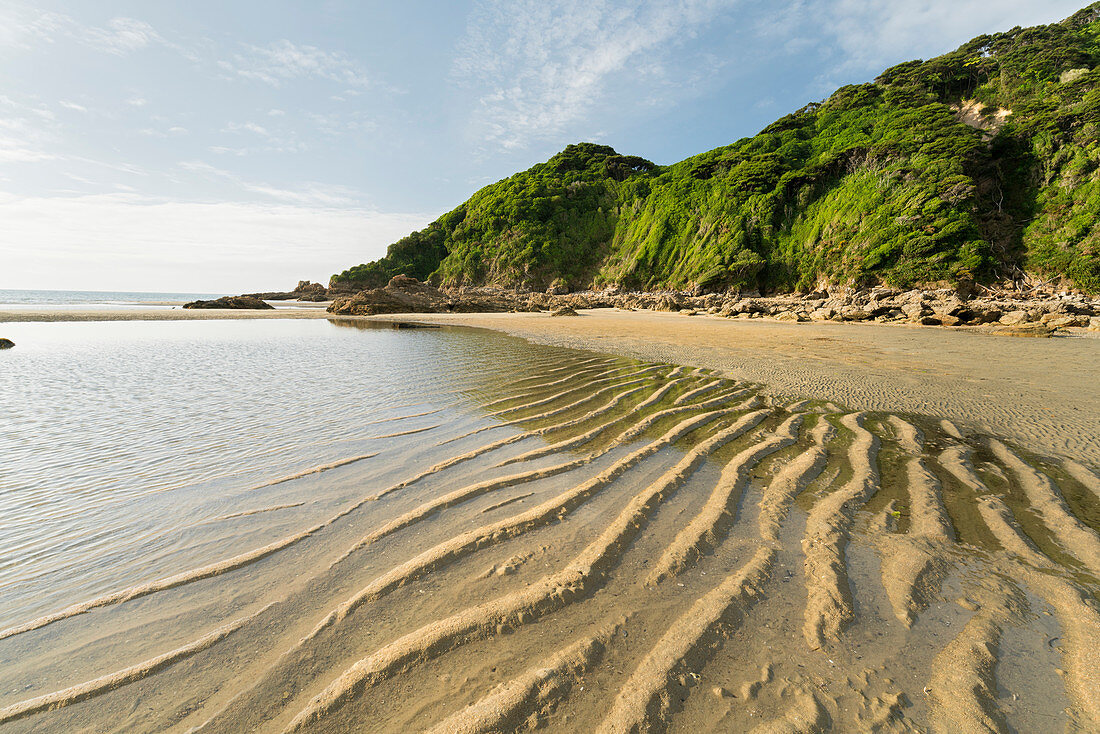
(87,298)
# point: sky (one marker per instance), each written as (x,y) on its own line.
(227,146)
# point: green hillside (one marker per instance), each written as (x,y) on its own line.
(983,163)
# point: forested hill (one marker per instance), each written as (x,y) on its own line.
(983,163)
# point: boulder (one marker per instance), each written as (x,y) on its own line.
(949,320)
(1013,318)
(6,344)
(915,310)
(851,313)
(234,302)
(564,311)
(1030,329)
(985,315)
(666,302)
(1061,321)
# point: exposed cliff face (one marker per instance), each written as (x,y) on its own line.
(922,177)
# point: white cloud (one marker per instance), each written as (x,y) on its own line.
(14,151)
(861,37)
(276,113)
(541,67)
(28,132)
(126,241)
(285,60)
(20,24)
(168,132)
(311,193)
(122,36)
(73,106)
(251,127)
(137,101)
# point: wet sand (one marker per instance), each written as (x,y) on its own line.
(617,545)
(1041,392)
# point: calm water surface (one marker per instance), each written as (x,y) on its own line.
(123,444)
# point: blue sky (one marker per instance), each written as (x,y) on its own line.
(241,145)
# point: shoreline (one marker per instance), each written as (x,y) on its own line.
(980,381)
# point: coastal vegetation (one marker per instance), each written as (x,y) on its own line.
(979,165)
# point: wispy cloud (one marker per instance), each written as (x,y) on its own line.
(541,66)
(28,132)
(22,24)
(251,127)
(285,60)
(121,36)
(273,141)
(855,38)
(151,132)
(308,194)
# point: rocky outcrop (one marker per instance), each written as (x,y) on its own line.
(408,295)
(304,291)
(237,302)
(307,291)
(6,344)
(1039,313)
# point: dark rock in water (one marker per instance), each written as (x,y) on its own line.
(238,302)
(564,311)
(6,344)
(413,325)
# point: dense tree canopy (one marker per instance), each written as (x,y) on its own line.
(981,163)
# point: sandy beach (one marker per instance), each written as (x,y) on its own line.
(1041,392)
(737,526)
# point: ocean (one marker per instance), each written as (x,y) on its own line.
(98,299)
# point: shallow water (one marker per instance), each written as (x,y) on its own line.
(478,535)
(121,438)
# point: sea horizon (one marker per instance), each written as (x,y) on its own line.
(23,297)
